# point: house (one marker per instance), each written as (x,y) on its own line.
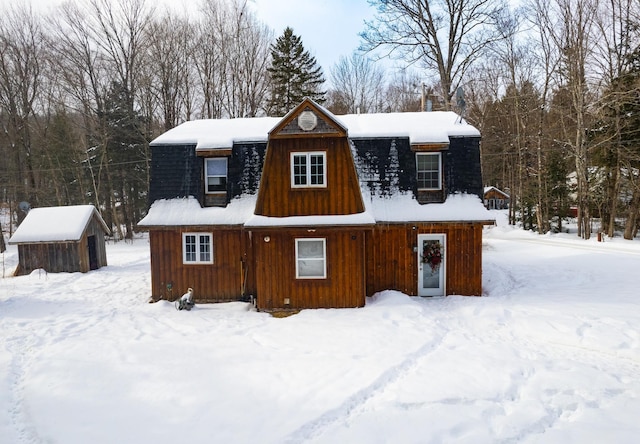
(314,210)
(57,239)
(495,199)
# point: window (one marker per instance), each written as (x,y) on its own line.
(311,255)
(197,248)
(428,171)
(216,174)
(308,170)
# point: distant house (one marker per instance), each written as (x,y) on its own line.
(315,210)
(58,239)
(495,199)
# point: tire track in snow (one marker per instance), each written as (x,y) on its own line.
(316,427)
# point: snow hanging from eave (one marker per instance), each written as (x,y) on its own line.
(403,207)
(55,224)
(218,133)
(419,127)
(358,219)
(188,212)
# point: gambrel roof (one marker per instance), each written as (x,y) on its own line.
(376,141)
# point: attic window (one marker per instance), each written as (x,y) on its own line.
(308,169)
(429,171)
(216,175)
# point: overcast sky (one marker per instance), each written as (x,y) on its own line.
(329,28)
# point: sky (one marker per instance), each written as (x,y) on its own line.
(329,28)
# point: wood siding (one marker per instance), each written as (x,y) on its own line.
(276,270)
(392,261)
(224,280)
(342,195)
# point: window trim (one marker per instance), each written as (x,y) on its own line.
(439,187)
(198,252)
(207,176)
(324,257)
(308,174)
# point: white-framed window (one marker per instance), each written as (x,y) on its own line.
(215,175)
(309,169)
(429,171)
(311,258)
(197,248)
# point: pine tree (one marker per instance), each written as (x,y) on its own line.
(294,74)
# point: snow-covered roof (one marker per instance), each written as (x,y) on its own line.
(419,127)
(487,189)
(55,224)
(399,208)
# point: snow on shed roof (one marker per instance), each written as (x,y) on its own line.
(55,224)
(419,127)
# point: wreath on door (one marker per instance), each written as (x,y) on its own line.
(432,255)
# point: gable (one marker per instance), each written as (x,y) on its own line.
(309,168)
(308,120)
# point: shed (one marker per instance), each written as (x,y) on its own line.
(495,199)
(59,239)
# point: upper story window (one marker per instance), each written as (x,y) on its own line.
(429,171)
(308,169)
(197,248)
(216,174)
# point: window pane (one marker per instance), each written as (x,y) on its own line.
(310,249)
(217,167)
(216,184)
(311,268)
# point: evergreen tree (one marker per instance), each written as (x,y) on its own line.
(294,74)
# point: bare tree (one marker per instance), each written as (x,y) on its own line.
(231,57)
(444,36)
(570,26)
(170,52)
(21,60)
(358,85)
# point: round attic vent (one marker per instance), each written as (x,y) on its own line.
(307,120)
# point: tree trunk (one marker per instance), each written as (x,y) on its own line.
(631,226)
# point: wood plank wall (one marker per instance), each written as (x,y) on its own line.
(217,282)
(341,196)
(275,270)
(52,257)
(392,262)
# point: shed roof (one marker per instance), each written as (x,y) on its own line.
(419,127)
(56,224)
(492,188)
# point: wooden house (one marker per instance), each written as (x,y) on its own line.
(59,239)
(495,199)
(314,210)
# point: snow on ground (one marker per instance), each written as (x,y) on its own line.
(551,354)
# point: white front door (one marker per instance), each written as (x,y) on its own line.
(431,264)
